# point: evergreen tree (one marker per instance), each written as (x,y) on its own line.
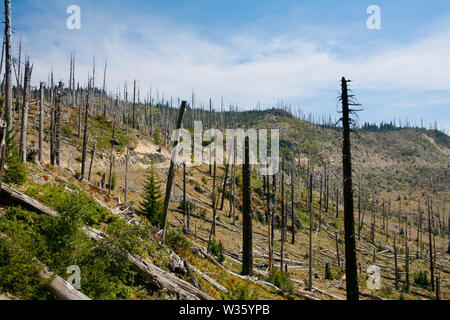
(15,171)
(152,204)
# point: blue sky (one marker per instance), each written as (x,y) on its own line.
(255,51)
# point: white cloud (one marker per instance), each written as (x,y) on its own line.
(246,68)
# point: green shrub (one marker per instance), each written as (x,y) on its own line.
(15,170)
(19,273)
(421,278)
(216,249)
(67,131)
(157,136)
(177,241)
(282,281)
(328,273)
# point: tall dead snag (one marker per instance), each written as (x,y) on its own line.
(269,221)
(85,137)
(3,127)
(310,286)
(184,195)
(430,243)
(247,244)
(282,216)
(8,65)
(397,275)
(92,160)
(292,205)
(213,199)
(406,289)
(224,188)
(351,271)
(25,107)
(127,159)
(41,121)
(57,125)
(338,257)
(134,105)
(113,142)
(103,105)
(171,175)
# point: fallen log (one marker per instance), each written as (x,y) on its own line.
(158,277)
(210,280)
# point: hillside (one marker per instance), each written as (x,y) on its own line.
(401,167)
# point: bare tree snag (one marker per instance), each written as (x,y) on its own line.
(282,216)
(351,271)
(292,205)
(247,243)
(396,266)
(57,125)
(310,276)
(85,137)
(430,243)
(171,175)
(92,160)
(25,107)
(41,122)
(8,65)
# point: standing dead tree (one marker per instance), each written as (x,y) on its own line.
(25,107)
(282,217)
(310,204)
(92,160)
(247,243)
(41,121)
(85,137)
(55,157)
(111,160)
(8,65)
(171,175)
(430,243)
(351,271)
(292,205)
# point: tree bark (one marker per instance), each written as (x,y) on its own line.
(8,65)
(171,175)
(41,122)
(247,244)
(351,272)
(85,137)
(25,107)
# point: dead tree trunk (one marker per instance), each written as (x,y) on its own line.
(351,271)
(85,137)
(430,243)
(111,160)
(171,175)
(292,205)
(224,188)
(92,160)
(57,125)
(8,65)
(247,244)
(310,284)
(338,257)
(41,122)
(396,265)
(3,128)
(282,216)
(127,159)
(25,107)
(406,257)
(184,194)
